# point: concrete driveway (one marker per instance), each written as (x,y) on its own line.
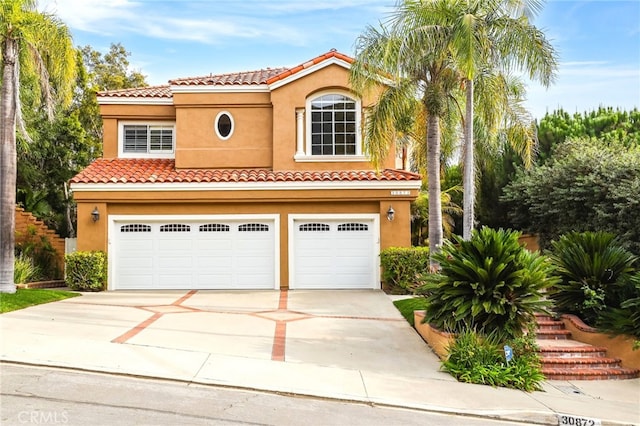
(260,339)
(351,345)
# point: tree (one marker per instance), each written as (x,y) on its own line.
(34,45)
(587,185)
(605,124)
(493,36)
(410,55)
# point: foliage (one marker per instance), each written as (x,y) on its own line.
(595,274)
(407,306)
(625,319)
(111,71)
(476,358)
(401,266)
(605,124)
(586,186)
(23,298)
(420,214)
(86,270)
(39,249)
(489,283)
(25,270)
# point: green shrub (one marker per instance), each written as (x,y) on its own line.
(24,270)
(39,249)
(402,267)
(490,283)
(86,270)
(475,358)
(595,273)
(626,318)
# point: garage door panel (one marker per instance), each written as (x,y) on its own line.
(334,254)
(195,254)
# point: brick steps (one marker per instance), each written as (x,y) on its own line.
(565,359)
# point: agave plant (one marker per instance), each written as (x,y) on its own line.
(490,283)
(595,273)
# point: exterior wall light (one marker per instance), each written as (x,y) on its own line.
(391,213)
(95,214)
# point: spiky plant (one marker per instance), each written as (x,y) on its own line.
(595,273)
(490,283)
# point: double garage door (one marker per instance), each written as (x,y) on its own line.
(241,254)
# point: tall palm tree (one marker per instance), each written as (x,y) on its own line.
(38,46)
(411,56)
(496,35)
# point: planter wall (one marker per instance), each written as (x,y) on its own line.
(617,346)
(436,339)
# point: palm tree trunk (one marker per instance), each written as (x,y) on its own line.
(468,180)
(8,166)
(433,174)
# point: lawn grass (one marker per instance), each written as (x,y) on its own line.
(407,306)
(24,298)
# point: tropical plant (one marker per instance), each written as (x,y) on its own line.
(34,46)
(420,215)
(411,63)
(490,283)
(595,273)
(494,37)
(625,319)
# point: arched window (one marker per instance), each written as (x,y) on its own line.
(333,125)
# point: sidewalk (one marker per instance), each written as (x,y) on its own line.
(344,346)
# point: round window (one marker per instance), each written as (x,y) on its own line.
(224,125)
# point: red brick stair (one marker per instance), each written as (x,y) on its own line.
(566,359)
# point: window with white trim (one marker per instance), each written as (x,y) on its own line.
(332,131)
(146,139)
(333,125)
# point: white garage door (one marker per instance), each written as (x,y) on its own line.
(334,254)
(194,254)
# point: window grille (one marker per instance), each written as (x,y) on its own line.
(135,227)
(214,227)
(314,227)
(175,227)
(253,227)
(353,227)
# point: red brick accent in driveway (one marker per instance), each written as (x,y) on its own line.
(281,316)
(137,329)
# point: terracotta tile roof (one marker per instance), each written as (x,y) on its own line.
(163,91)
(237,78)
(263,76)
(134,170)
(331,54)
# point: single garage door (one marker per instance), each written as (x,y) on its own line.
(334,254)
(223,254)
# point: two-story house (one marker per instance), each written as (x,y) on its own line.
(248,180)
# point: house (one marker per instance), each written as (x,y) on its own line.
(248,180)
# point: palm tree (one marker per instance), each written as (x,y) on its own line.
(411,57)
(494,35)
(34,46)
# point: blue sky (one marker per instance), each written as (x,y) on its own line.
(598,41)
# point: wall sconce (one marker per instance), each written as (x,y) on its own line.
(95,214)
(391,213)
